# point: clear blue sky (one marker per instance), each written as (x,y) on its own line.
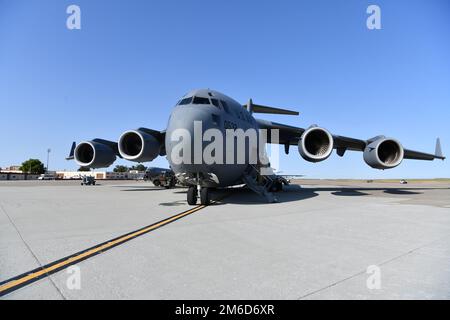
(132,60)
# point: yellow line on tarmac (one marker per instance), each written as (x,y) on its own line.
(53,267)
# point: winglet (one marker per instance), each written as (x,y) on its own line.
(438,150)
(72,149)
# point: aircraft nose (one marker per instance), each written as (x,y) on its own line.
(190,121)
(185,117)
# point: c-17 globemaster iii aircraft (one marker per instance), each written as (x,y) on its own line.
(194,143)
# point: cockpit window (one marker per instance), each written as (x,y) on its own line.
(225,106)
(215,102)
(200,100)
(185,101)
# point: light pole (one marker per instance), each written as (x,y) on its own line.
(48,156)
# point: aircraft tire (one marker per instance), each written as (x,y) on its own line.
(192,196)
(279,186)
(204,196)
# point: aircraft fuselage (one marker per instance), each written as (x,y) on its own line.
(210,110)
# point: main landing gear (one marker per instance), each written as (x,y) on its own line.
(193,193)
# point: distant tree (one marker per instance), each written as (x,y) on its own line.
(139,167)
(120,168)
(33,166)
(84,169)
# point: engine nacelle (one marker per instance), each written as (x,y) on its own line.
(93,154)
(315,144)
(383,153)
(139,146)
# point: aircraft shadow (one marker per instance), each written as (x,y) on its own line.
(144,189)
(247,196)
(400,191)
(363,191)
(349,192)
(296,193)
(147,188)
(290,193)
(173,203)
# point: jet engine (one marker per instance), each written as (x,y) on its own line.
(315,144)
(139,146)
(383,153)
(94,154)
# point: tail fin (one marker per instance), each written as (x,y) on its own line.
(438,149)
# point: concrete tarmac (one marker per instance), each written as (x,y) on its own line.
(318,242)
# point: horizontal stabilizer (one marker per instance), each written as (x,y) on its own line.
(257,108)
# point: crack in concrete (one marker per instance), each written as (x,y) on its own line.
(30,250)
(364,271)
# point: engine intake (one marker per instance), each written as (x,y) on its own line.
(383,153)
(315,144)
(94,154)
(139,146)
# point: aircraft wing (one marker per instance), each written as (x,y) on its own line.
(416,155)
(345,143)
(289,135)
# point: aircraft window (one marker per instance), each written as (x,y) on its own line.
(200,100)
(215,102)
(225,106)
(185,101)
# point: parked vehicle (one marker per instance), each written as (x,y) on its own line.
(47,176)
(161,177)
(87,181)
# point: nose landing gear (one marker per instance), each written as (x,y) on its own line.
(193,192)
(204,196)
(192,195)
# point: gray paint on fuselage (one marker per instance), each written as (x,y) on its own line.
(183,116)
